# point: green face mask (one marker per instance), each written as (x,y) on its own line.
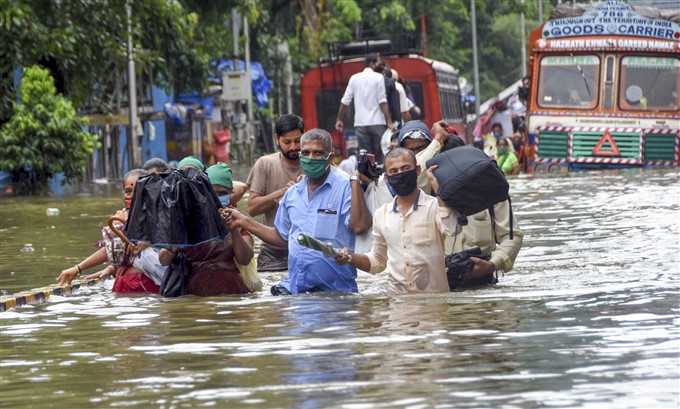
(502,150)
(314,168)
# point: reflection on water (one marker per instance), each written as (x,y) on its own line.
(587,319)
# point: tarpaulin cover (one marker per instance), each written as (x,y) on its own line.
(177,208)
(207,103)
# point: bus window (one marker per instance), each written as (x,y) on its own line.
(415,90)
(609,83)
(327,104)
(449,97)
(649,83)
(561,85)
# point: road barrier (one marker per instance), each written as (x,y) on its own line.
(40,295)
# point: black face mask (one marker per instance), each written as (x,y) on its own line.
(404,183)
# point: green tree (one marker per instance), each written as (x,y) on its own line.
(44,134)
(84,43)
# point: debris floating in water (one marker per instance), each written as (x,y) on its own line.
(28,248)
(52,211)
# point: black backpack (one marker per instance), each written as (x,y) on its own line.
(470,181)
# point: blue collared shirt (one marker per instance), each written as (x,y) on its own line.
(325,216)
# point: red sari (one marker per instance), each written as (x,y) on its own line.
(130,280)
(212,269)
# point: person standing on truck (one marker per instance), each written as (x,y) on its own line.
(406,107)
(371,113)
(393,102)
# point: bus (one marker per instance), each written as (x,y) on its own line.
(434,87)
(605,90)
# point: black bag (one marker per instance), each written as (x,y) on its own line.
(177,208)
(175,281)
(470,181)
(459,266)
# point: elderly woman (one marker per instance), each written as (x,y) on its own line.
(142,274)
(212,265)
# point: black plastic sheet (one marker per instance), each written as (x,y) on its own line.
(176,208)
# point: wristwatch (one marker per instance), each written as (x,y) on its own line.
(355,177)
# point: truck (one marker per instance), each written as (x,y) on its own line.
(605,88)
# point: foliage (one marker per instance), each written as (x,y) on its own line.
(44,134)
(83,42)
(448,27)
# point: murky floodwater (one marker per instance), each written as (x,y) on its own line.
(587,319)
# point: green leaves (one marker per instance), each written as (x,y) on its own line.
(44,134)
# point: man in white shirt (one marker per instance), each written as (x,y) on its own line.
(408,232)
(371,114)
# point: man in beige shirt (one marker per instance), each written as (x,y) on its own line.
(269,179)
(492,236)
(408,232)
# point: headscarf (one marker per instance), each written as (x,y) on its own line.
(191,160)
(220,174)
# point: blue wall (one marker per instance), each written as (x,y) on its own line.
(157,147)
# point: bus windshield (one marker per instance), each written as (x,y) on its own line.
(649,83)
(561,84)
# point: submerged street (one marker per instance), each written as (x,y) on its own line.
(586,318)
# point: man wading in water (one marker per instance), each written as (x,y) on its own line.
(408,232)
(325,205)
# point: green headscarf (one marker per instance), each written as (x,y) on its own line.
(190,160)
(220,174)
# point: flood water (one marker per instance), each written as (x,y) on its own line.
(588,318)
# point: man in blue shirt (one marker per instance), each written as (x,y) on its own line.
(325,204)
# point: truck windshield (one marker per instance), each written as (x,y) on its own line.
(561,84)
(649,83)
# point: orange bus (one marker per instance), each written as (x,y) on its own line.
(433,84)
(605,91)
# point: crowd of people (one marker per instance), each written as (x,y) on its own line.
(392,221)
(490,133)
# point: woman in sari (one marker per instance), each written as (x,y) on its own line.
(212,265)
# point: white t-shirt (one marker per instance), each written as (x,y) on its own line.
(367,89)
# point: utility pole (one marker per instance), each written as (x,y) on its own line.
(540,11)
(234,35)
(237,141)
(524,44)
(475,64)
(134,159)
(249,102)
